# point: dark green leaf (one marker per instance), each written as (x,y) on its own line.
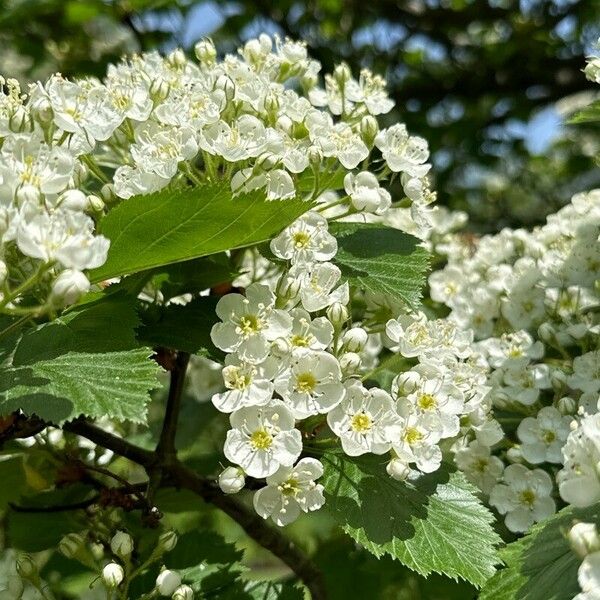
(177,225)
(433,524)
(589,114)
(381,259)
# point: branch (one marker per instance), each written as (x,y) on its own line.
(179,476)
(166,443)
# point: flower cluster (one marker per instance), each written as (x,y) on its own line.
(258,120)
(531,298)
(585,542)
(295,365)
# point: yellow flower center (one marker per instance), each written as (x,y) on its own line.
(361,422)
(412,436)
(527,497)
(238,380)
(289,487)
(261,440)
(427,402)
(250,324)
(301,239)
(299,341)
(548,436)
(306,383)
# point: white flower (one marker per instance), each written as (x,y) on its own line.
(511,349)
(290,491)
(317,287)
(183,592)
(312,383)
(374,94)
(579,480)
(417,443)
(263,439)
(244,138)
(130,182)
(543,437)
(365,421)
(250,323)
(278,183)
(365,193)
(68,287)
(402,152)
(524,383)
(305,241)
(586,372)
(588,576)
(524,497)
(315,334)
(247,384)
(584,538)
(232,480)
(479,465)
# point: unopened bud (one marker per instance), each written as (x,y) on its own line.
(355,339)
(285,124)
(205,51)
(567,406)
(232,480)
(309,80)
(26,567)
(342,74)
(41,110)
(397,469)
(71,545)
(584,538)
(266,161)
(68,287)
(121,544)
(315,157)
(28,194)
(369,128)
(183,592)
(547,332)
(112,575)
(558,378)
(406,383)
(73,200)
(177,58)
(337,313)
(80,174)
(159,89)
(95,203)
(167,541)
(167,582)
(514,455)
(288,288)
(107,192)
(350,362)
(272,103)
(226,84)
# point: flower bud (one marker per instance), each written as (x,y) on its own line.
(266,161)
(584,538)
(73,200)
(406,383)
(80,174)
(28,193)
(167,582)
(226,84)
(71,545)
(315,157)
(26,567)
(288,288)
(68,287)
(97,550)
(253,52)
(355,339)
(350,362)
(107,192)
(272,103)
(95,203)
(121,544)
(281,347)
(567,406)
(558,378)
(205,51)
(112,575)
(285,124)
(167,541)
(398,469)
(41,110)
(337,313)
(369,128)
(20,121)
(159,89)
(232,480)
(547,332)
(514,455)
(183,592)
(3,272)
(342,74)
(177,58)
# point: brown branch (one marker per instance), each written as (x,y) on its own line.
(179,476)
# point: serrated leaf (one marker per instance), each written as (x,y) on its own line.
(111,384)
(541,565)
(433,524)
(271,590)
(195,547)
(182,327)
(176,225)
(381,259)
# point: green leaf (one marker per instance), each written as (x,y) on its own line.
(177,225)
(111,384)
(381,259)
(589,114)
(541,565)
(182,327)
(433,524)
(271,590)
(196,547)
(12,476)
